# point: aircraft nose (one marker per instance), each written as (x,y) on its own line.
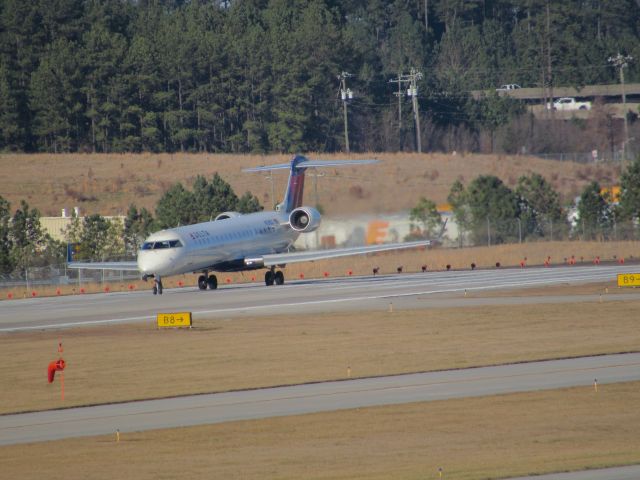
(146,263)
(158,262)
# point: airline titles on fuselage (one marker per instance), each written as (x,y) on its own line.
(202,237)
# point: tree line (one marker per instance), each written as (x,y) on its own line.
(488,211)
(261,75)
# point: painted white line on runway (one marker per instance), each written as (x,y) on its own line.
(76,324)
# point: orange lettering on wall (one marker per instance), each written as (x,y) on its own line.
(377,231)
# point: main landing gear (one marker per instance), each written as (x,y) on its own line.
(211,281)
(272,277)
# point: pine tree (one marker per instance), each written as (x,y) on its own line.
(630,192)
(594,213)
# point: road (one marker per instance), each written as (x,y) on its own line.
(417,290)
(318,397)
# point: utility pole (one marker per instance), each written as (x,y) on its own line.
(412,79)
(346,94)
(426,15)
(621,62)
(399,94)
(414,76)
(549,74)
(273,193)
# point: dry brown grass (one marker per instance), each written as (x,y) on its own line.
(108,364)
(490,437)
(108,184)
(410,260)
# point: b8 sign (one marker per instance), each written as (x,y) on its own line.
(175,319)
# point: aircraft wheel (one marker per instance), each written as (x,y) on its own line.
(269,278)
(212,282)
(155,289)
(279,278)
(202,282)
(159,288)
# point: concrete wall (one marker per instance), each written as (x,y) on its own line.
(365,230)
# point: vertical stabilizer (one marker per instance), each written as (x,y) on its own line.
(295,186)
(297,168)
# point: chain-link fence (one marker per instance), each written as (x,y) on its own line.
(614,156)
(59,274)
(494,232)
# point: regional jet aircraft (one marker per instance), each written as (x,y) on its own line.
(234,242)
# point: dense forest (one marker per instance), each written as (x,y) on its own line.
(264,75)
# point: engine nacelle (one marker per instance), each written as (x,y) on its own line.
(225,215)
(304,219)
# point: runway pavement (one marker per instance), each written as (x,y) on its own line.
(319,397)
(631,472)
(417,290)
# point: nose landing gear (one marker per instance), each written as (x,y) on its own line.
(157,285)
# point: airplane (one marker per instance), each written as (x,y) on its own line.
(235,242)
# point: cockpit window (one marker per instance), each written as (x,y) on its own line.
(161,244)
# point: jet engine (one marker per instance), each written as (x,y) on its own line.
(304,219)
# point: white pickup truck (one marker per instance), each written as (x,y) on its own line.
(568,103)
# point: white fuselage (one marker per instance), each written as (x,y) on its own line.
(204,246)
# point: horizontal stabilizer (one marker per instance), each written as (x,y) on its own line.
(311,163)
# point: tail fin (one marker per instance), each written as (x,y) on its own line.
(297,168)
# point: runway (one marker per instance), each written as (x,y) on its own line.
(320,397)
(415,290)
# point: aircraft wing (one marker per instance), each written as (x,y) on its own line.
(294,257)
(104,265)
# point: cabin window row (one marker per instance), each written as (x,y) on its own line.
(236,235)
